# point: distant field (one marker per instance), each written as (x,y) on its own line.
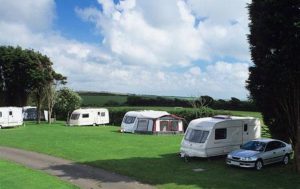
(92,100)
(17,176)
(101,98)
(104,99)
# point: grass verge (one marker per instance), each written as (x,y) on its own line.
(13,175)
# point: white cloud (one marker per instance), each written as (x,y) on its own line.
(136,40)
(148,49)
(37,15)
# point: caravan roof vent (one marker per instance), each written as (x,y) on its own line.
(222,117)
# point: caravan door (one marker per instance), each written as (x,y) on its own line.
(246,137)
(11,119)
(3,120)
(98,118)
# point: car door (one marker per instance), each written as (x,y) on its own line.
(279,150)
(270,153)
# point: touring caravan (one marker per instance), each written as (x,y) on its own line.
(150,121)
(10,117)
(218,135)
(89,116)
(30,113)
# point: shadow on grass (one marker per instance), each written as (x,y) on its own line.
(171,171)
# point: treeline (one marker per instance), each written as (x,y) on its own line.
(202,101)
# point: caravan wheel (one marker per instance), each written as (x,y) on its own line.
(94,124)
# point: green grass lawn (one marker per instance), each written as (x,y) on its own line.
(14,176)
(152,159)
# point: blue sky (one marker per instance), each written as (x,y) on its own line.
(170,47)
(70,25)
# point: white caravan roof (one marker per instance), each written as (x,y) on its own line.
(9,107)
(208,123)
(147,114)
(87,110)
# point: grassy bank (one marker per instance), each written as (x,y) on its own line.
(16,176)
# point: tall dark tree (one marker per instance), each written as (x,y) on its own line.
(274,80)
(16,67)
(24,73)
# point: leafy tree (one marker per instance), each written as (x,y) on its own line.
(274,79)
(209,100)
(67,101)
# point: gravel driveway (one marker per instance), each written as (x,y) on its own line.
(83,176)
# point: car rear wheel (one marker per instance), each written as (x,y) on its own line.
(258,165)
(286,159)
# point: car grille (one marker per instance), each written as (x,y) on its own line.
(236,158)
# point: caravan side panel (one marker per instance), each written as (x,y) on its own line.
(224,137)
(11,117)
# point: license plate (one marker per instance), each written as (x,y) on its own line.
(235,163)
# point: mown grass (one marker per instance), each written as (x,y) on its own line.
(14,176)
(148,158)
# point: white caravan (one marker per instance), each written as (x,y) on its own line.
(149,121)
(30,113)
(10,117)
(218,135)
(89,116)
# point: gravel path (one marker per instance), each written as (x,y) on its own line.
(83,176)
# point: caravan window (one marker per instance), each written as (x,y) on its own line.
(0,114)
(220,134)
(142,125)
(174,125)
(10,113)
(198,136)
(85,115)
(164,125)
(75,116)
(129,119)
(102,114)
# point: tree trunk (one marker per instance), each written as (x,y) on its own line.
(297,148)
(49,115)
(38,109)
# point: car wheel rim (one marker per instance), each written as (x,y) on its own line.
(286,160)
(258,165)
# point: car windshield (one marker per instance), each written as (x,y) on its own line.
(198,136)
(254,146)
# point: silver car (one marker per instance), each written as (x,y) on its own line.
(260,152)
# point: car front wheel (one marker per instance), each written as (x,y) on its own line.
(258,165)
(286,159)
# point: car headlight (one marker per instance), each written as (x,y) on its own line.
(229,156)
(248,158)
